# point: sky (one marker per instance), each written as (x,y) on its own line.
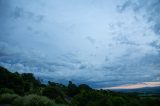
(102,43)
(136,86)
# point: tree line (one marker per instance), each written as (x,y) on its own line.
(25,90)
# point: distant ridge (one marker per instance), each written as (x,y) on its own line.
(145,87)
(148,90)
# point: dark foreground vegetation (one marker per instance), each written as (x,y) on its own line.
(25,90)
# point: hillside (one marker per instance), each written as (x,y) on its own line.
(146,90)
(25,90)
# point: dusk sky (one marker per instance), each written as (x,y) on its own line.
(102,43)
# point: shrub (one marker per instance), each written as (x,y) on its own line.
(118,101)
(7,98)
(72,89)
(18,101)
(52,92)
(33,100)
(6,90)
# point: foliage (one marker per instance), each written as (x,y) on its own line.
(53,92)
(33,100)
(72,89)
(11,81)
(6,90)
(25,90)
(84,87)
(90,98)
(30,81)
(7,98)
(19,83)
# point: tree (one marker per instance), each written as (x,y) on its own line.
(11,80)
(55,93)
(84,87)
(72,89)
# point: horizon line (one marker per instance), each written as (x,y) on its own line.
(134,86)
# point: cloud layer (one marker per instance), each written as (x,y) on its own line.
(101,43)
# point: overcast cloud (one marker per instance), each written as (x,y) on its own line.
(99,42)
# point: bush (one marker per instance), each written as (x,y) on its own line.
(72,89)
(33,100)
(84,87)
(7,98)
(53,92)
(90,98)
(118,101)
(6,90)
(18,101)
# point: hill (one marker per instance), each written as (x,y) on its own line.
(25,90)
(146,90)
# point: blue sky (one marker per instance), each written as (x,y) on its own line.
(99,42)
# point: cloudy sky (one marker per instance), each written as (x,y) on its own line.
(102,43)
